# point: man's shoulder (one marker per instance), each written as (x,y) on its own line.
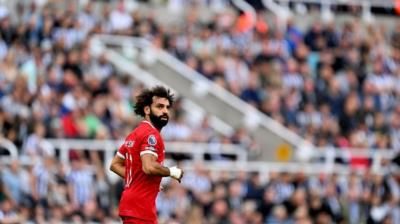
(143,128)
(142,132)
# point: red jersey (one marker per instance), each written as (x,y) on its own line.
(140,192)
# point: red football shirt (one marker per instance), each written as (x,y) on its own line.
(140,192)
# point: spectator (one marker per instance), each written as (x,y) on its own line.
(120,19)
(16,180)
(80,184)
(333,85)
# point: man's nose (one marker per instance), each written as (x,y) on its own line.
(165,110)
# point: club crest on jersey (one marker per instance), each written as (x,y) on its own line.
(129,144)
(152,140)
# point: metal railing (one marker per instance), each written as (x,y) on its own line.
(331,154)
(267,167)
(283,12)
(374,3)
(321,160)
(197,151)
(10,147)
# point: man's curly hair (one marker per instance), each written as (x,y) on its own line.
(146,98)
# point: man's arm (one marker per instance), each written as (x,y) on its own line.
(150,166)
(118,166)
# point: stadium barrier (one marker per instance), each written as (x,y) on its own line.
(326,160)
(310,160)
(281,12)
(334,156)
(373,3)
(317,160)
(326,12)
(195,151)
(11,151)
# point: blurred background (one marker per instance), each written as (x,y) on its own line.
(287,110)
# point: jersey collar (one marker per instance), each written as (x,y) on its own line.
(149,123)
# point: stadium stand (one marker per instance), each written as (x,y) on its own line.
(336,85)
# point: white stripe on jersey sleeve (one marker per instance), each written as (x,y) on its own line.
(120,155)
(148,152)
(151,148)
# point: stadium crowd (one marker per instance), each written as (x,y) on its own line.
(336,86)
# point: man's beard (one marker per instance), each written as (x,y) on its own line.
(157,121)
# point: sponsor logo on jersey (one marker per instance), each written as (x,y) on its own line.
(152,140)
(129,144)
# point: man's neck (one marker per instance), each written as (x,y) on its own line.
(147,120)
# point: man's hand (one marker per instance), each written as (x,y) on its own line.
(176,173)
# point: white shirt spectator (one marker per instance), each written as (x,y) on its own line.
(293,80)
(11,215)
(101,70)
(176,6)
(70,36)
(87,20)
(178,131)
(3,49)
(166,204)
(222,41)
(309,117)
(236,72)
(36,145)
(395,139)
(44,178)
(14,108)
(279,47)
(16,180)
(197,181)
(120,20)
(81,181)
(283,190)
(383,82)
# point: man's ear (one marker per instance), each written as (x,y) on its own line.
(147,110)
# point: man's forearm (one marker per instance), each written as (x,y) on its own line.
(156,169)
(118,169)
(150,166)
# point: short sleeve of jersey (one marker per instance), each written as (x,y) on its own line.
(123,149)
(150,144)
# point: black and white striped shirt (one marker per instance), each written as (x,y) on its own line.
(82,182)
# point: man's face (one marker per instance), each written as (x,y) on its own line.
(159,112)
